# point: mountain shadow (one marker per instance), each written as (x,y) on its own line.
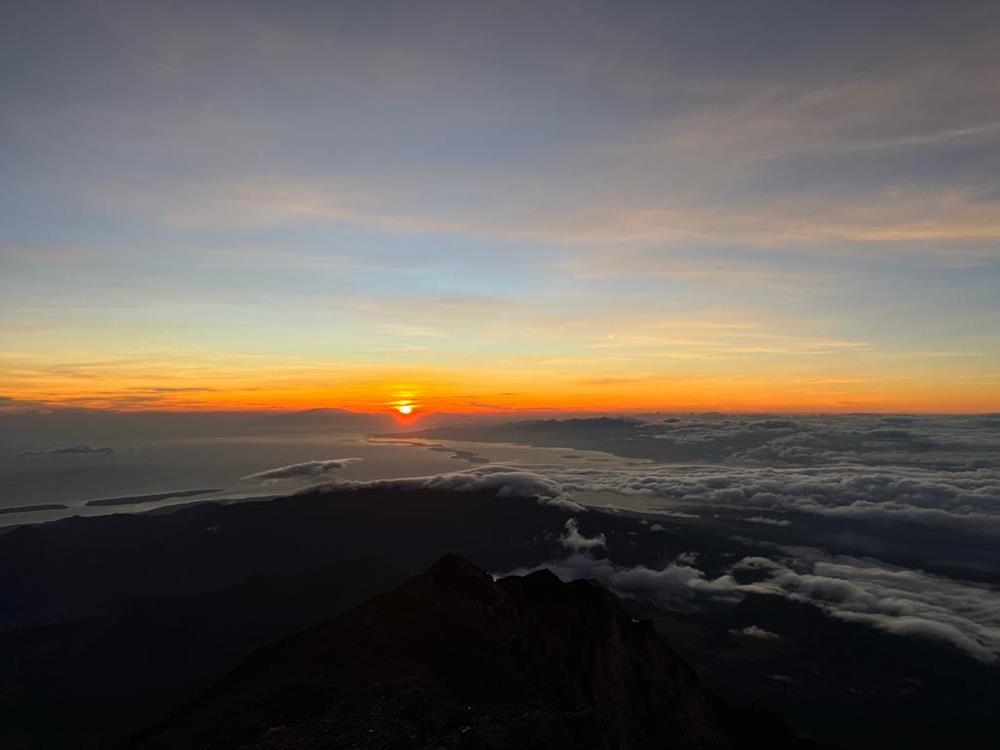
(456,659)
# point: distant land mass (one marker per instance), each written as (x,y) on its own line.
(33,508)
(137,499)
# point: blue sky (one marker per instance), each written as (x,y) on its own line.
(792,204)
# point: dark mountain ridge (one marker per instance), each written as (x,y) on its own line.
(109,624)
(455,659)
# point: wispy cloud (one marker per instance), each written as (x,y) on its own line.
(305,470)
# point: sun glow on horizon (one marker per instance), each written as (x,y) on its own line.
(857,386)
(404,407)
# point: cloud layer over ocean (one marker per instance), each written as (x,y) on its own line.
(905,602)
(887,521)
(931,471)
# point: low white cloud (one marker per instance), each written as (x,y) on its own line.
(574,540)
(960,501)
(896,600)
(768,521)
(305,470)
(933,471)
(500,479)
(754,631)
(674,586)
(890,598)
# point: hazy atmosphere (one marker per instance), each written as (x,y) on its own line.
(640,359)
(767,205)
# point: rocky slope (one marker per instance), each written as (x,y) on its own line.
(454,659)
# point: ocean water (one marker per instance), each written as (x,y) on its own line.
(125,468)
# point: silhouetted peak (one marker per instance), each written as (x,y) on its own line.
(455,658)
(456,577)
(452,568)
(542,579)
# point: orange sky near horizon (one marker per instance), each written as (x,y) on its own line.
(482,207)
(483,391)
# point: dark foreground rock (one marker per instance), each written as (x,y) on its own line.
(454,659)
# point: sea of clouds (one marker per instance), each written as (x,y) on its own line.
(895,477)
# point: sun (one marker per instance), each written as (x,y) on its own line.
(404,405)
